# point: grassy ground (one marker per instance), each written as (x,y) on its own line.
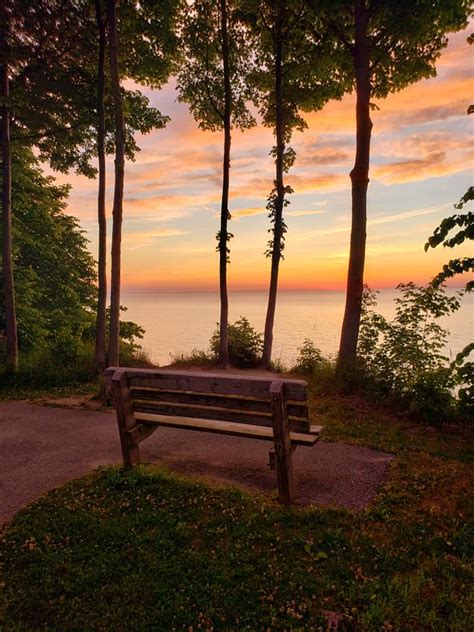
(150,550)
(10,392)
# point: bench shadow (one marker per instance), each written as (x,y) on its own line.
(333,474)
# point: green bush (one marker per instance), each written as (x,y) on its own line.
(245,344)
(44,368)
(70,361)
(310,359)
(402,359)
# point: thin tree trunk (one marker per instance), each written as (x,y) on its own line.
(224,360)
(360,180)
(280,199)
(7,259)
(100,345)
(117,213)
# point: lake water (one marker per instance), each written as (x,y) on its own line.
(179,322)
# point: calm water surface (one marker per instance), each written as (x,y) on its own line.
(179,322)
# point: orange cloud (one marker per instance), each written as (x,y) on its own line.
(433,165)
(315,156)
(245,212)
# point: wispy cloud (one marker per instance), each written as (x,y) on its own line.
(305,213)
(434,165)
(381,219)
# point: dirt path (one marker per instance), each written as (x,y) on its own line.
(42,447)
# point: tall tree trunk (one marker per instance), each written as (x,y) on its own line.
(224,360)
(280,197)
(360,180)
(117,213)
(100,345)
(7,260)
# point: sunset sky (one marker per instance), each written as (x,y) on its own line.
(422,158)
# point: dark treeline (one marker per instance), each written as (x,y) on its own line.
(64,102)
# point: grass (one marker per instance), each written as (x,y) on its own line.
(19,391)
(150,550)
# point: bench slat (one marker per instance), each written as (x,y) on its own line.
(234,402)
(223,427)
(207,382)
(215,412)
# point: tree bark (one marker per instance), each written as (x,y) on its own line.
(360,180)
(100,344)
(117,213)
(280,197)
(7,258)
(224,360)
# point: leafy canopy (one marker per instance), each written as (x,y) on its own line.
(289,39)
(59,75)
(200,77)
(405,39)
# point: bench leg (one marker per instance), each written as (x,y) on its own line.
(283,451)
(272,463)
(130,451)
(125,420)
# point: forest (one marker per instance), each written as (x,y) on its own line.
(66,103)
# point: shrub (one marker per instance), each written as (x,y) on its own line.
(245,344)
(70,361)
(197,357)
(310,359)
(403,359)
(278,366)
(44,368)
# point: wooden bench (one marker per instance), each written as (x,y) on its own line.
(257,407)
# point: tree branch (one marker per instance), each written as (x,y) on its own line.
(340,34)
(51,132)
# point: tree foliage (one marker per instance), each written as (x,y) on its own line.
(58,75)
(404,39)
(200,76)
(310,77)
(465,222)
(54,271)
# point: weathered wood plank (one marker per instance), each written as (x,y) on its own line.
(215,412)
(282,440)
(125,418)
(223,427)
(234,402)
(207,382)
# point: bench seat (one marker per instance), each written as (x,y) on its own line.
(226,427)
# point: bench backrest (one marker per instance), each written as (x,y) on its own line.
(206,395)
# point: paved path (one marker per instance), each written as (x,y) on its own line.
(42,447)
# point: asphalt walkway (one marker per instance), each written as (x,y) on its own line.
(42,447)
